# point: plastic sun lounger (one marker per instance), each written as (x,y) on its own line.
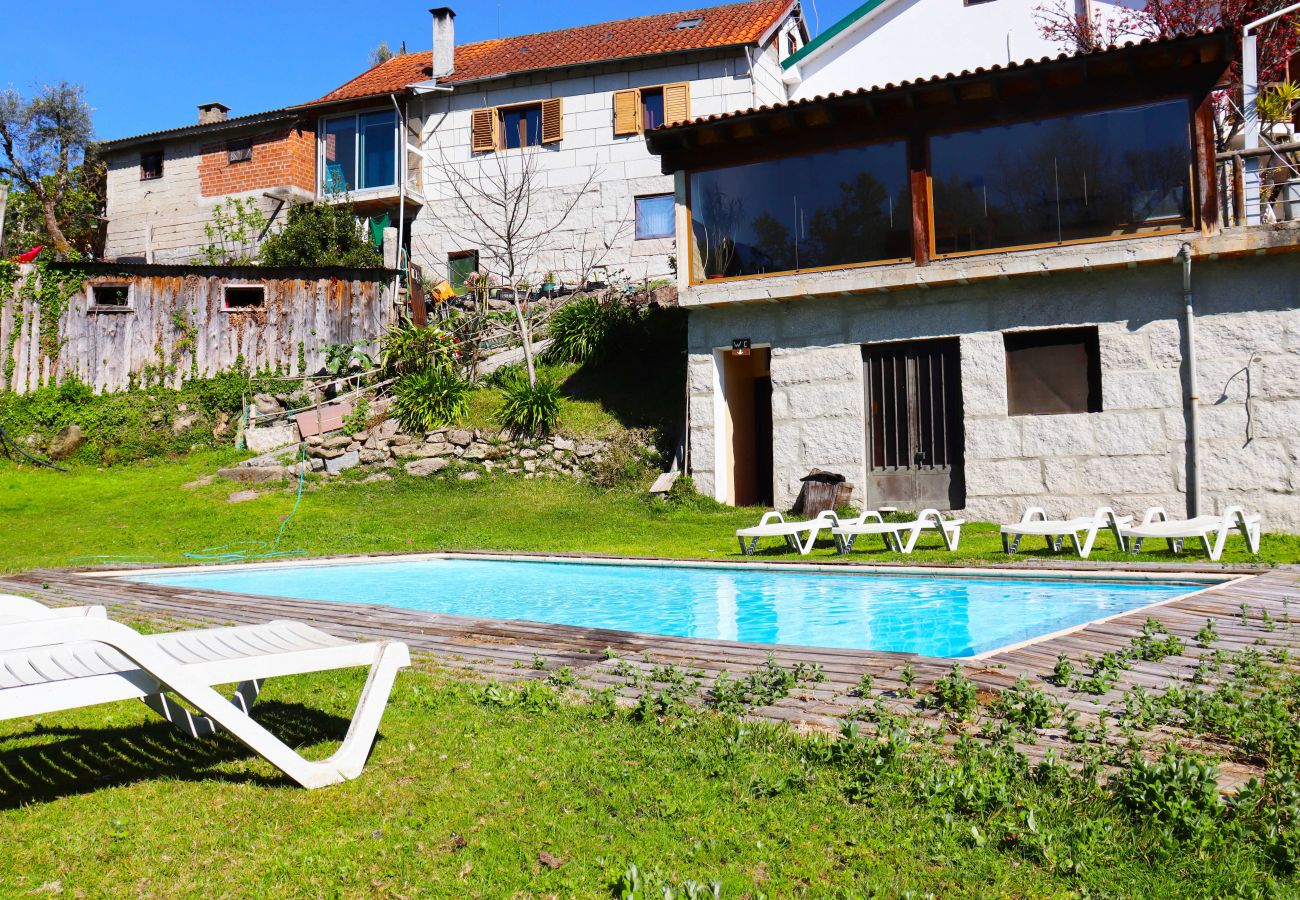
(50,664)
(1034,523)
(15,609)
(773,524)
(899,536)
(1158,526)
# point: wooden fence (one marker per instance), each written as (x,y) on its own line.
(119,322)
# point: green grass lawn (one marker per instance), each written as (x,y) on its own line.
(475,792)
(143,511)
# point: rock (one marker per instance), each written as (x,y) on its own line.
(378,476)
(461,438)
(315,440)
(267,405)
(476,451)
(361,437)
(272,437)
(530,465)
(253,474)
(436,437)
(546,449)
(317,465)
(586,449)
(66,442)
(326,453)
(345,461)
(401,440)
(222,427)
(385,430)
(469,476)
(183,423)
(426,466)
(562,443)
(527,453)
(438,448)
(242,496)
(336,441)
(369,457)
(422,451)
(201,481)
(497,451)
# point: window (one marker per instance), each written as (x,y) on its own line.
(655,217)
(1068,178)
(239,151)
(1053,371)
(833,208)
(110,298)
(359,152)
(513,127)
(151,165)
(641,109)
(244,296)
(693,22)
(460,266)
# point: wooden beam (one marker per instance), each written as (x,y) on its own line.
(919,180)
(1205,175)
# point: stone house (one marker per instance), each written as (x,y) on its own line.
(576,102)
(1004,288)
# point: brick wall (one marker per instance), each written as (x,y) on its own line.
(284,157)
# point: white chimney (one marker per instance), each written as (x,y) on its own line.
(212,112)
(444,41)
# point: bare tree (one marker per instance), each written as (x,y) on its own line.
(496,202)
(41,141)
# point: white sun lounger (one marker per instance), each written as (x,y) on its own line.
(1034,523)
(1156,525)
(53,664)
(900,536)
(21,609)
(773,524)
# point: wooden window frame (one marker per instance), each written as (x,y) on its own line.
(225,297)
(94,306)
(550,131)
(162,165)
(1037,338)
(637,126)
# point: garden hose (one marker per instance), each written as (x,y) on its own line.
(10,445)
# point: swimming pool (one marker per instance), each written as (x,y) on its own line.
(930,614)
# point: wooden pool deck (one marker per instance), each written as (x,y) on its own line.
(511,650)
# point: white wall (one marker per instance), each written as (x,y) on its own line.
(720,82)
(905,40)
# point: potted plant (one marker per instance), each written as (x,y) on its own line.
(548,284)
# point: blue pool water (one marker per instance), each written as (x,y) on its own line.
(927,614)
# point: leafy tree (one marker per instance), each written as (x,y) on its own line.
(380,54)
(42,142)
(80,212)
(233,233)
(321,234)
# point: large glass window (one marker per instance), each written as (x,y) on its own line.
(654,217)
(1112,173)
(834,208)
(360,152)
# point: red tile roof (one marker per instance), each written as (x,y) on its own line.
(732,25)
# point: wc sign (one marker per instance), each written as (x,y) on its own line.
(740,346)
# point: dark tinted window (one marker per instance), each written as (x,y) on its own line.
(151,165)
(110,296)
(521,126)
(245,297)
(652,108)
(1053,371)
(239,151)
(822,209)
(1068,178)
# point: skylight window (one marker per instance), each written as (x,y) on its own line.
(689,23)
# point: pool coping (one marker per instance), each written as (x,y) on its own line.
(1207,580)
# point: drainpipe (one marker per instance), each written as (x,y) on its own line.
(401,196)
(1193,394)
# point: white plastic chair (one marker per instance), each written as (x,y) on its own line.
(773,524)
(50,664)
(1157,525)
(899,536)
(1034,523)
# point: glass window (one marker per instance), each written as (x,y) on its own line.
(340,173)
(822,209)
(151,165)
(460,266)
(654,217)
(378,149)
(1102,174)
(521,126)
(1054,371)
(652,108)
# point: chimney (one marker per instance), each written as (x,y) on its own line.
(444,41)
(212,112)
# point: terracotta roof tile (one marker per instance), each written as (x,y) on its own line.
(721,26)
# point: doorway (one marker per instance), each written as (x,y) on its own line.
(915,440)
(747,392)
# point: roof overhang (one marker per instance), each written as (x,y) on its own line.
(1191,65)
(274,116)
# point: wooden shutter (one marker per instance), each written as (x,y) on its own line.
(483,130)
(552,120)
(677,102)
(627,112)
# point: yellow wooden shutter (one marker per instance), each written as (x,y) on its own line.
(483,130)
(677,102)
(627,112)
(552,120)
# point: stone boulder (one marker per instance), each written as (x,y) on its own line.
(461,438)
(426,466)
(272,437)
(253,474)
(344,461)
(67,442)
(267,405)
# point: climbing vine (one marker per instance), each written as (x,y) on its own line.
(50,290)
(8,278)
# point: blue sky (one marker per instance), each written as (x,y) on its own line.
(148,67)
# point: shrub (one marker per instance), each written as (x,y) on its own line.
(429,398)
(530,409)
(582,330)
(321,234)
(407,347)
(628,458)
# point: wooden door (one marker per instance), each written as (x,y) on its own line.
(914,425)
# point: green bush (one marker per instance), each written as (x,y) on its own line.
(584,330)
(321,234)
(407,347)
(429,398)
(530,409)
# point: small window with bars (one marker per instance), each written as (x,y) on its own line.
(239,151)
